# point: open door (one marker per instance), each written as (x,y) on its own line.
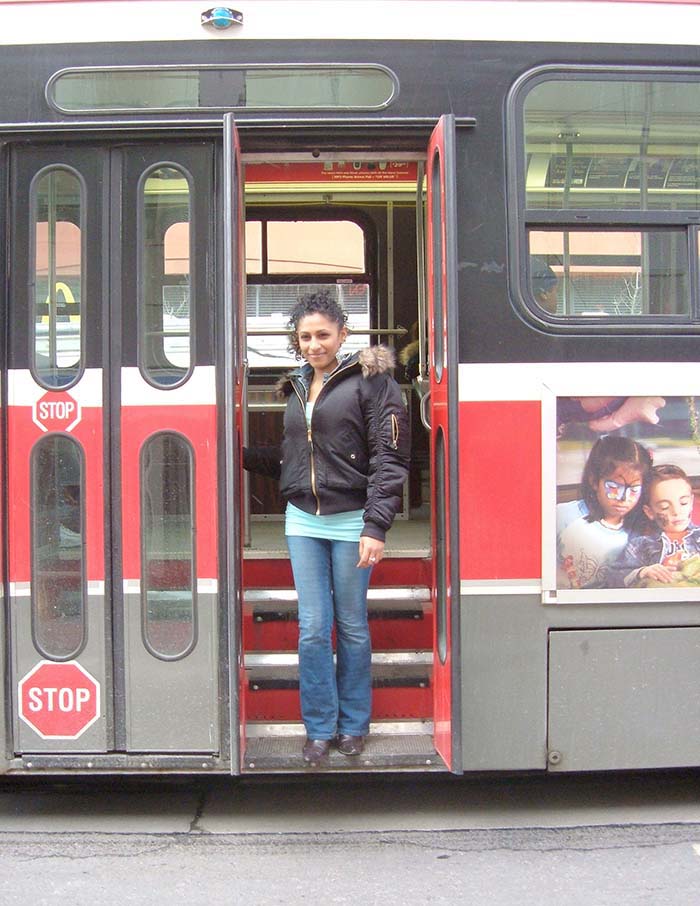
(443,355)
(233,357)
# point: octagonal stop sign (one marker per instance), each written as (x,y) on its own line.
(56,411)
(59,700)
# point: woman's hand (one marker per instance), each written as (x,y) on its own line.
(371,551)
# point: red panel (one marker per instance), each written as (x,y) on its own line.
(392,571)
(389,703)
(500,462)
(198,425)
(387,635)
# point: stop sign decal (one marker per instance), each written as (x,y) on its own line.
(59,701)
(56,412)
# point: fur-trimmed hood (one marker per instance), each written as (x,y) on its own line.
(372,360)
(376,360)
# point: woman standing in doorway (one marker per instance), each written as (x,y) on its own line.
(343,463)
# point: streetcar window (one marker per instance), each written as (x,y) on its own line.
(165,89)
(165,327)
(168,532)
(613,144)
(58,562)
(436,219)
(315,247)
(286,259)
(598,274)
(609,194)
(57,205)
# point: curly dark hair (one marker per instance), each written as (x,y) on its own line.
(609,452)
(321,303)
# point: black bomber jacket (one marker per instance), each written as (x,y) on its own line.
(355,454)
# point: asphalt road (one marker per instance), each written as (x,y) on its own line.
(599,840)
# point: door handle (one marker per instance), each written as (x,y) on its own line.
(424,411)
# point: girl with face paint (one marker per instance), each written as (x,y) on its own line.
(593,531)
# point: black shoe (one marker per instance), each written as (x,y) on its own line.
(350,745)
(315,750)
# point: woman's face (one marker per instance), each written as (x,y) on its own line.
(319,341)
(618,493)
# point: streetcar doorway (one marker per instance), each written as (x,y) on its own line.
(111,456)
(137,580)
(355,225)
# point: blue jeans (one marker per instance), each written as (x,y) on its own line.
(331,587)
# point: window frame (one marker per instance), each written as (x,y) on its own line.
(50,92)
(35,571)
(521,219)
(145,560)
(141,275)
(266,213)
(76,373)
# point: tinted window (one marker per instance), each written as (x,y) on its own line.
(58,567)
(165,326)
(56,293)
(609,193)
(167,525)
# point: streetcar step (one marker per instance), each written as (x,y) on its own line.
(383,752)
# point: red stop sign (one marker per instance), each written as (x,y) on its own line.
(56,411)
(59,701)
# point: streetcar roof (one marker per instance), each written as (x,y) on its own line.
(580,21)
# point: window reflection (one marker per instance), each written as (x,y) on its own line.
(606,273)
(57,210)
(58,569)
(612,143)
(167,524)
(286,259)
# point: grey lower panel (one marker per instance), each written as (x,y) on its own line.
(630,700)
(92,658)
(172,705)
(625,698)
(504,683)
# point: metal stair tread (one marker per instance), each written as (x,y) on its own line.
(402,752)
(388,594)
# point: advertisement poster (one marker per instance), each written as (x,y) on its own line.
(628,475)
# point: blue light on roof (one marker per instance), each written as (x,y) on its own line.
(222,17)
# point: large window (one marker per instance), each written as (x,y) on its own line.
(164,89)
(286,259)
(608,190)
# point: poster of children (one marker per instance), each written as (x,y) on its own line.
(628,471)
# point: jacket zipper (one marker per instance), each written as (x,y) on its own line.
(394,432)
(310,436)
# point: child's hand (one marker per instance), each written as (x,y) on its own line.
(658,573)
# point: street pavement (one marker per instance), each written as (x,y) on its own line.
(597,840)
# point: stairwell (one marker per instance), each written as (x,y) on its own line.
(400,739)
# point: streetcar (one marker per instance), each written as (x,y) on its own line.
(507,193)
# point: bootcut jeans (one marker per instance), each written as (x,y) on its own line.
(335,698)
